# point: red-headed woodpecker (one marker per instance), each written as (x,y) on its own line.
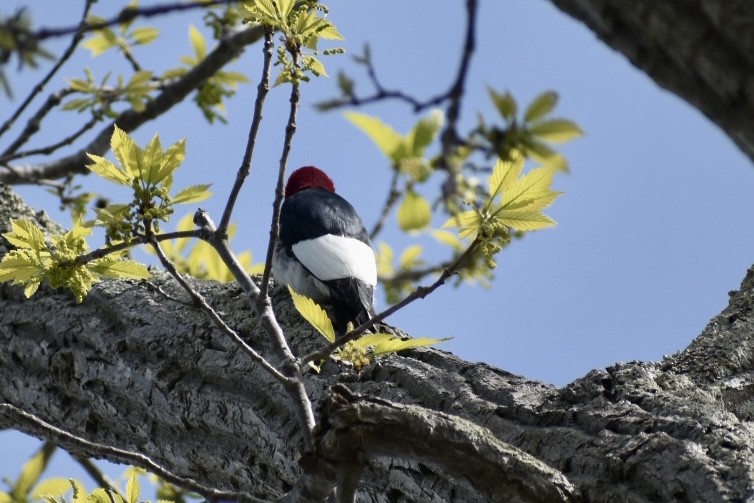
(323,251)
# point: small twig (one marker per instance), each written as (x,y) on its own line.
(95,473)
(139,240)
(419,293)
(78,34)
(129,120)
(245,169)
(158,289)
(290,130)
(126,15)
(35,426)
(449,136)
(393,195)
(200,301)
(295,386)
(33,124)
(68,140)
(416,274)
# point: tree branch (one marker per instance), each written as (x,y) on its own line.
(129,120)
(256,120)
(701,51)
(78,34)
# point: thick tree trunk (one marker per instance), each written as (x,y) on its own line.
(136,370)
(701,50)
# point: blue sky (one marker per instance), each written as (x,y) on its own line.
(654,227)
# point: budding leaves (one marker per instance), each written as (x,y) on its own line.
(515,201)
(35,260)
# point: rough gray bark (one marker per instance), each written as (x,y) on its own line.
(701,50)
(132,369)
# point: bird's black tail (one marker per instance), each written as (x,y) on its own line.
(352,301)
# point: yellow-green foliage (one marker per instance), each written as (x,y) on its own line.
(36,259)
(303,25)
(362,351)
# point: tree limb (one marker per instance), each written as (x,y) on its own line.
(131,370)
(702,51)
(227,50)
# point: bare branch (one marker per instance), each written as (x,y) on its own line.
(290,130)
(126,15)
(35,426)
(357,426)
(201,302)
(393,195)
(243,171)
(78,32)
(263,307)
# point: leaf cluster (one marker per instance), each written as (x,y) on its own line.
(36,259)
(105,39)
(302,25)
(99,96)
(149,173)
(16,38)
(407,156)
(360,352)
(222,84)
(531,134)
(516,201)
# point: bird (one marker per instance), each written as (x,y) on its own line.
(323,250)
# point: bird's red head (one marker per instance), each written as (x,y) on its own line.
(308,177)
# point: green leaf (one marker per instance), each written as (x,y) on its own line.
(5,497)
(424,132)
(21,267)
(530,190)
(54,486)
(149,163)
(330,33)
(505,104)
(102,41)
(447,238)
(556,130)
(171,160)
(192,194)
(101,495)
(108,170)
(127,152)
(383,344)
(384,259)
(383,135)
(414,213)
(523,220)
(119,269)
(314,314)
(145,35)
(468,223)
(198,43)
(315,66)
(132,490)
(541,106)
(31,472)
(505,173)
(410,257)
(25,233)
